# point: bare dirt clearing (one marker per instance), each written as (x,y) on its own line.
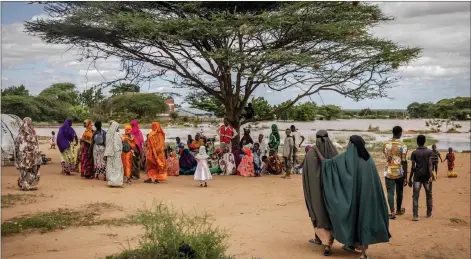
(266,216)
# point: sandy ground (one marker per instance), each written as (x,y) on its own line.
(267,216)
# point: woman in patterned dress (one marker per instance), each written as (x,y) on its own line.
(27,156)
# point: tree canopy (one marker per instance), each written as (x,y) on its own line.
(229,49)
(453,108)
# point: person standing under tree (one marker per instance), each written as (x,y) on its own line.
(298,141)
(422,174)
(288,150)
(226,133)
(395,171)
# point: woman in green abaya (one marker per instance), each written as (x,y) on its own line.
(274,140)
(354,197)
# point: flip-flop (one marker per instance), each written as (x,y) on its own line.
(348,249)
(401,212)
(327,252)
(392,216)
(315,241)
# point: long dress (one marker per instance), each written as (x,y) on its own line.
(312,187)
(173,167)
(354,197)
(202,172)
(65,136)
(227,164)
(155,159)
(27,156)
(246,167)
(129,146)
(138,157)
(274,165)
(187,163)
(274,139)
(86,162)
(99,152)
(114,165)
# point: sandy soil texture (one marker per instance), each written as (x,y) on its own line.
(267,216)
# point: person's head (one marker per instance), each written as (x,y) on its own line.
(85,123)
(197,136)
(272,152)
(127,129)
(307,148)
(226,122)
(53,133)
(68,123)
(256,146)
(264,159)
(134,123)
(274,128)
(292,128)
(190,137)
(288,132)
(450,150)
(178,140)
(98,125)
(246,131)
(434,147)
(250,105)
(397,132)
(260,138)
(421,140)
(226,149)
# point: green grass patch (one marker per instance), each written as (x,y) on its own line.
(165,230)
(412,142)
(61,219)
(10,200)
(457,221)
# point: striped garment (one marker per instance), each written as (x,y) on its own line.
(435,156)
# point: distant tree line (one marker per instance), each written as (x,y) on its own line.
(63,100)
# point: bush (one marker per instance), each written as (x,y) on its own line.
(165,230)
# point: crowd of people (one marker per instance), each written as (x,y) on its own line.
(343,192)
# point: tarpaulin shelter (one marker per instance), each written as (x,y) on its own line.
(10,127)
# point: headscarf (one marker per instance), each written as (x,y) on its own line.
(65,135)
(187,161)
(27,152)
(113,141)
(128,129)
(307,148)
(202,153)
(274,136)
(136,132)
(359,143)
(247,151)
(157,140)
(324,144)
(88,133)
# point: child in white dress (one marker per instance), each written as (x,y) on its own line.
(202,172)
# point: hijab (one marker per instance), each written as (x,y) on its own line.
(137,134)
(324,144)
(65,135)
(202,153)
(113,143)
(359,143)
(88,133)
(27,152)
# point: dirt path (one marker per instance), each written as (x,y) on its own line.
(267,216)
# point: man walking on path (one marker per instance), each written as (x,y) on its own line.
(226,133)
(395,171)
(422,174)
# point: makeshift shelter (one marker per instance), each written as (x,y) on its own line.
(10,127)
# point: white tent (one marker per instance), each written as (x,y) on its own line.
(10,127)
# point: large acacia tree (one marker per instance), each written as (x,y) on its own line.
(229,49)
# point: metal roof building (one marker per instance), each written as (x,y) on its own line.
(192,112)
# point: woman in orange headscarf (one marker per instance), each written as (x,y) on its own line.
(129,146)
(86,153)
(156,164)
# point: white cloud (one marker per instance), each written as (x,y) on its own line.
(441,29)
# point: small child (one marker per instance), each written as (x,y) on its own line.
(202,172)
(450,157)
(435,156)
(264,165)
(53,141)
(257,160)
(288,151)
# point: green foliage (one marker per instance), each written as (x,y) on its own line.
(64,93)
(227,50)
(330,112)
(22,106)
(165,230)
(142,106)
(174,115)
(123,88)
(261,107)
(458,108)
(78,113)
(205,102)
(91,97)
(15,90)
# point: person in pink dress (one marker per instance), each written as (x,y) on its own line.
(246,166)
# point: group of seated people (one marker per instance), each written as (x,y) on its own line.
(246,159)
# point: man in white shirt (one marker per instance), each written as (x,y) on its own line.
(298,141)
(263,145)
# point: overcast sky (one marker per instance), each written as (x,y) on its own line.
(442,29)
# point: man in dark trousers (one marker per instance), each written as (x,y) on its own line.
(421,175)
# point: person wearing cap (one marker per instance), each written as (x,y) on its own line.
(298,141)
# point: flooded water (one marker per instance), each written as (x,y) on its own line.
(337,129)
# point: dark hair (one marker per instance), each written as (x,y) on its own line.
(98,124)
(397,130)
(292,127)
(264,158)
(421,140)
(53,133)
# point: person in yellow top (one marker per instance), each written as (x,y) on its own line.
(198,142)
(395,171)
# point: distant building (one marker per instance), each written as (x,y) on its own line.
(171,105)
(192,112)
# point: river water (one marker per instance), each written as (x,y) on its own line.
(338,129)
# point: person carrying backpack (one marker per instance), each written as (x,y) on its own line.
(98,149)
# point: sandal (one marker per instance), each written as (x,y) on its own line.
(148,181)
(392,216)
(327,252)
(401,212)
(315,241)
(205,184)
(350,249)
